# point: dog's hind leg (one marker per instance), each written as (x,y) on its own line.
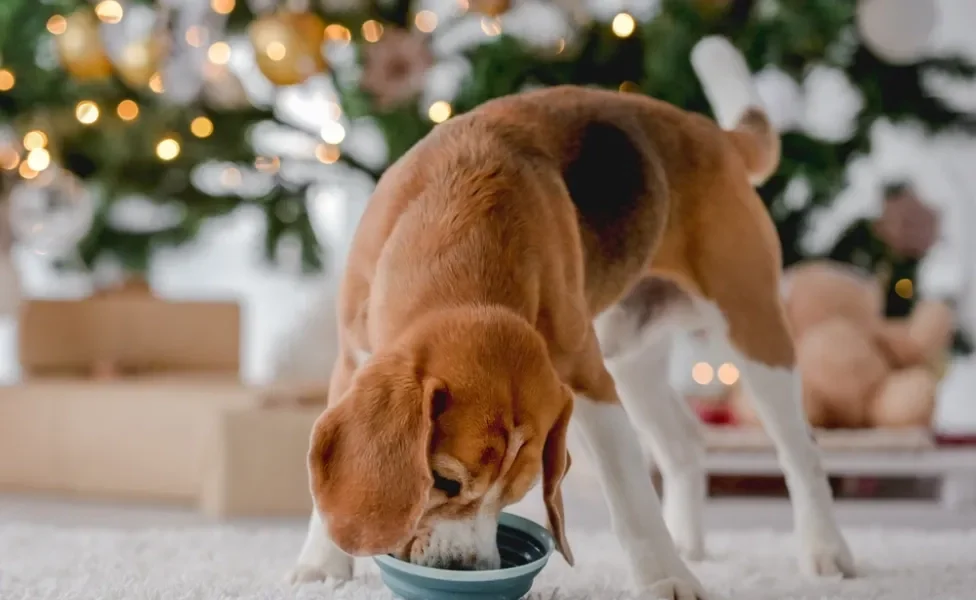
(737,267)
(635,337)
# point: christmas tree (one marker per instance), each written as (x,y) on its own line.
(399,67)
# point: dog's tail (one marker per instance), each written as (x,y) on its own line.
(728,84)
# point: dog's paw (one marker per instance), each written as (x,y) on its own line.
(338,571)
(827,556)
(677,589)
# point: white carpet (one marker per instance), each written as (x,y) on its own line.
(47,563)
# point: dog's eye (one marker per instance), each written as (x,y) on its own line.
(449,486)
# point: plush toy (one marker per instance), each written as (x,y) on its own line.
(859,368)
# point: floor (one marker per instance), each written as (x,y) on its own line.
(584,509)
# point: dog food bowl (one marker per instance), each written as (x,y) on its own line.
(524,546)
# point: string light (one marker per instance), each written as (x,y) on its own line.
(276,51)
(35,139)
(109,11)
(86,112)
(491,27)
(168,148)
(338,33)
(38,159)
(728,374)
(201,127)
(702,373)
(9,159)
(196,36)
(333,132)
(57,24)
(26,172)
(623,25)
(334,111)
(219,53)
(904,288)
(267,164)
(439,111)
(127,110)
(222,7)
(372,31)
(327,153)
(7,80)
(425,21)
(156,83)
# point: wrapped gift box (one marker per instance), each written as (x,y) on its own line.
(121,396)
(258,463)
(131,333)
(146,438)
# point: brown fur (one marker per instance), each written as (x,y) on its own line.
(475,275)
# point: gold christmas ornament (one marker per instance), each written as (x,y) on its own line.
(491,8)
(288,46)
(80,47)
(140,60)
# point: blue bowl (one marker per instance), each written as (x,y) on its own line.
(524,546)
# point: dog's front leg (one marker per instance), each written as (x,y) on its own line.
(320,559)
(635,510)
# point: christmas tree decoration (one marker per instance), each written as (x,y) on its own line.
(51,213)
(491,8)
(897,30)
(80,47)
(140,60)
(908,226)
(288,46)
(828,71)
(395,68)
(223,90)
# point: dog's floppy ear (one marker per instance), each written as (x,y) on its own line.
(368,460)
(555,465)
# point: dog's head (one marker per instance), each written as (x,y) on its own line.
(435,438)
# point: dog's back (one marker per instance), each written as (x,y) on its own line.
(638,171)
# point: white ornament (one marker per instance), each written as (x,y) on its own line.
(832,104)
(782,97)
(898,31)
(52,213)
(538,24)
(139,214)
(798,193)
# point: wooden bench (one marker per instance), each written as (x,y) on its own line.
(744,452)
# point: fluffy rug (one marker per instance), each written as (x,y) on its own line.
(47,563)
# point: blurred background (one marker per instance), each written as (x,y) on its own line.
(165,159)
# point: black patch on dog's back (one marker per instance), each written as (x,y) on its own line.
(610,174)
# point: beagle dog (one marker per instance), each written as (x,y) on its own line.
(512,273)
